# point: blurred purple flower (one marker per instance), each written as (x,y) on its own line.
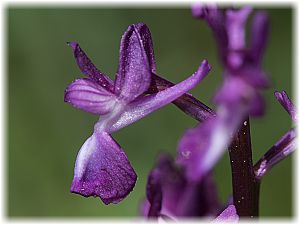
(171,195)
(102,169)
(239,96)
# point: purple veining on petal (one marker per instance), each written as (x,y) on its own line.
(145,105)
(102,169)
(229,215)
(89,96)
(134,74)
(287,104)
(88,68)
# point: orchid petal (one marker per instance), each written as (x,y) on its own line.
(172,183)
(134,74)
(88,68)
(253,75)
(89,96)
(235,24)
(238,94)
(279,151)
(102,169)
(146,38)
(229,215)
(201,147)
(235,27)
(175,196)
(257,106)
(215,19)
(287,104)
(148,104)
(154,193)
(259,36)
(193,147)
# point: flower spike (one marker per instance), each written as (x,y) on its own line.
(239,96)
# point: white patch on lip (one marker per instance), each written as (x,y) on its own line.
(84,155)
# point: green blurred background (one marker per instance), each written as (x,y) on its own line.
(44,133)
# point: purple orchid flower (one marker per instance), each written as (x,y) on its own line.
(171,195)
(201,147)
(102,168)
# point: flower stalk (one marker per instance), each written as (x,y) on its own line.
(245,186)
